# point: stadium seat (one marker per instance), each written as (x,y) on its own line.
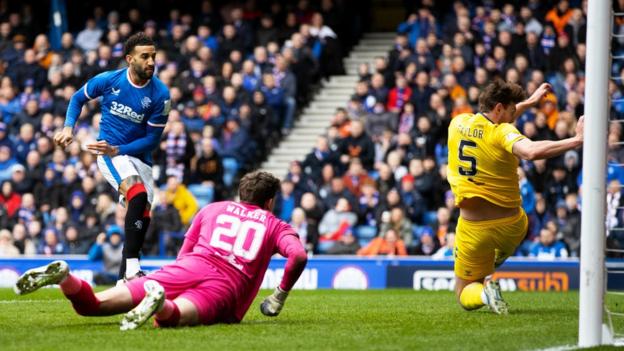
(164,240)
(203,194)
(366,232)
(230,168)
(419,230)
(364,242)
(323,246)
(430,217)
(373,174)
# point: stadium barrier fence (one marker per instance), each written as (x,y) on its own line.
(351,272)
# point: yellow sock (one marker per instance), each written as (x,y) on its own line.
(470,298)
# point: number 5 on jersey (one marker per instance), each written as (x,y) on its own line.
(463,157)
(240,232)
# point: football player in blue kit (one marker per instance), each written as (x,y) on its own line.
(134,106)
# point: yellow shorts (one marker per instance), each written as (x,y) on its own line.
(481,246)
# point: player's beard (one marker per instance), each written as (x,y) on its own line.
(142,73)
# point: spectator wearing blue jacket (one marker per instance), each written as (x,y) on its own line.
(285,201)
(204,33)
(51,244)
(191,118)
(25,142)
(527,192)
(108,248)
(287,81)
(13,52)
(9,106)
(233,141)
(548,248)
(229,103)
(5,140)
(273,94)
(251,79)
(6,163)
(417,25)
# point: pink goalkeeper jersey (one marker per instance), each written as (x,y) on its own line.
(241,239)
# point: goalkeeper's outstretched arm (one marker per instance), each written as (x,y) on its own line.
(291,248)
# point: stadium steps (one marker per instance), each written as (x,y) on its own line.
(334,93)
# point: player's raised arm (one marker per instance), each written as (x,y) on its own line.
(533,100)
(535,150)
(290,247)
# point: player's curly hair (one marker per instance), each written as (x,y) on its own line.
(137,39)
(258,187)
(502,92)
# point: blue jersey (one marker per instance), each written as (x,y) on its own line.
(555,250)
(133,117)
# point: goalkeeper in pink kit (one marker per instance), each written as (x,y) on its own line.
(215,277)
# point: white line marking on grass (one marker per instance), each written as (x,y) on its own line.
(560,348)
(28,301)
(616,342)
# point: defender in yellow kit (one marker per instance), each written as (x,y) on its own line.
(484,152)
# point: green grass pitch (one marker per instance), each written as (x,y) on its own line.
(311,320)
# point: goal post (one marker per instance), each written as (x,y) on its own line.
(592,268)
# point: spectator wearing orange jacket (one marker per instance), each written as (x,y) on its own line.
(389,245)
(559,16)
(549,107)
(355,177)
(461,105)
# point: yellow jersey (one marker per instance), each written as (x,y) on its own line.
(481,162)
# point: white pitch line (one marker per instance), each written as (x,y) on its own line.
(560,348)
(616,342)
(27,301)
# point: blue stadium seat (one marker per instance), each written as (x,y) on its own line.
(164,238)
(373,174)
(364,242)
(365,231)
(203,194)
(230,168)
(430,217)
(419,230)
(323,246)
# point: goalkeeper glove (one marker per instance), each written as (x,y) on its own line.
(272,305)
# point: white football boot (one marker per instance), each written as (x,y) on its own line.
(39,277)
(151,303)
(494,298)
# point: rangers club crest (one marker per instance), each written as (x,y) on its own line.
(145,102)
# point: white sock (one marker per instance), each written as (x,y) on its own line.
(132,266)
(484,297)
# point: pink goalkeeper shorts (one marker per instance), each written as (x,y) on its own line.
(196,280)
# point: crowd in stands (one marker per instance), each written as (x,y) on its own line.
(237,75)
(376,182)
